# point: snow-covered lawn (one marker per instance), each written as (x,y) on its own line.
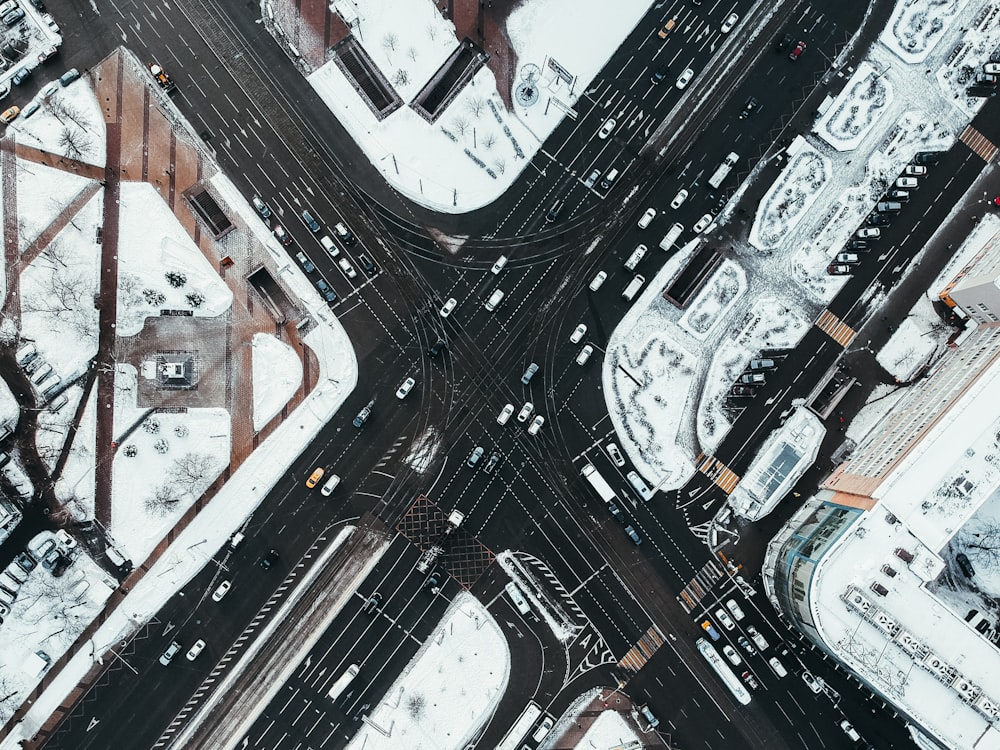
(449,689)
(856,110)
(608,731)
(159,266)
(68,124)
(477,148)
(9,409)
(277,374)
(713,302)
(790,197)
(913,345)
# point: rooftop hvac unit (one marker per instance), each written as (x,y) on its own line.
(968,691)
(989,707)
(858,600)
(908,643)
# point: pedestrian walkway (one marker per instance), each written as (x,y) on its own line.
(836,329)
(979,143)
(719,473)
(643,650)
(700,585)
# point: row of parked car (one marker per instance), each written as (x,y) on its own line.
(40,373)
(754,376)
(53,552)
(891,204)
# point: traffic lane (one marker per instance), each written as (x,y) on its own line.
(611,608)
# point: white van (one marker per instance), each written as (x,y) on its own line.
(495,299)
(328,245)
(671,237)
(518,598)
(343,681)
(633,287)
(634,259)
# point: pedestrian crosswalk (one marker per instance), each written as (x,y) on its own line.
(642,651)
(719,473)
(701,584)
(836,329)
(979,143)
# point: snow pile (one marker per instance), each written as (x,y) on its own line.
(448,691)
(788,199)
(163,465)
(476,148)
(856,110)
(59,287)
(977,45)
(423,450)
(159,265)
(69,124)
(277,374)
(9,408)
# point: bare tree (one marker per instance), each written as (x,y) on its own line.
(389,42)
(412,53)
(67,298)
(983,546)
(500,165)
(63,110)
(475,105)
(461,125)
(489,141)
(400,78)
(75,142)
(193,472)
(164,499)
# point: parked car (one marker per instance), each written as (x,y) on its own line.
(733,607)
(522,416)
(9,115)
(347,268)
(749,107)
(221,590)
(849,258)
(753,378)
(647,218)
(168,656)
(762,364)
(868,233)
(746,645)
(875,219)
(724,619)
(344,234)
(536,425)
(598,281)
(332,482)
(505,413)
(283,237)
(615,454)
(907,183)
(196,648)
(18,78)
(730,653)
(809,680)
(685,78)
(633,535)
(307,265)
(372,603)
(309,221)
(914,171)
(750,680)
(783,43)
(709,628)
(492,462)
(473,459)
(326,291)
(606,128)
(584,356)
(856,245)
(261,207)
(742,391)
(367,264)
(839,269)
(703,222)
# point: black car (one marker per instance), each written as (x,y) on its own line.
(658,76)
(878,220)
(309,221)
(856,245)
(324,289)
(437,348)
(749,107)
(965,564)
(743,391)
(268,560)
(307,265)
(926,157)
(784,43)
(434,581)
(367,264)
(491,464)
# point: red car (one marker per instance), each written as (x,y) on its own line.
(797,52)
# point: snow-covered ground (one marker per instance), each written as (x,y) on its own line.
(448,690)
(914,344)
(669,404)
(69,124)
(477,148)
(277,374)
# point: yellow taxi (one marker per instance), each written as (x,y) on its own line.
(314,478)
(9,115)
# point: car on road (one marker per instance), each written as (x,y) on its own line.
(498,265)
(314,478)
(615,511)
(309,221)
(615,454)
(473,459)
(363,415)
(584,355)
(658,76)
(749,107)
(725,619)
(606,128)
(307,264)
(578,333)
(260,207)
(522,416)
(730,653)
(914,171)
(703,223)
(324,289)
(330,485)
(746,645)
(685,78)
(796,53)
(197,648)
(448,307)
(734,608)
(168,656)
(849,258)
(505,413)
(681,196)
(529,373)
(221,590)
(839,269)
(347,268)
(647,218)
(753,378)
(729,23)
(536,425)
(667,28)
(283,237)
(809,680)
(907,183)
(344,234)
(633,535)
(750,680)
(437,347)
(709,628)
(267,561)
(9,115)
(783,43)
(598,280)
(404,388)
(492,462)
(868,233)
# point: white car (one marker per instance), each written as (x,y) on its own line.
(991,68)
(685,78)
(598,280)
(733,607)
(221,591)
(448,307)
(584,355)
(615,453)
(703,222)
(536,425)
(347,268)
(197,648)
(405,387)
(679,198)
(734,658)
(522,416)
(726,620)
(578,333)
(606,128)
(647,218)
(499,264)
(729,23)
(915,170)
(505,414)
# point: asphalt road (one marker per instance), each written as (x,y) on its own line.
(272,138)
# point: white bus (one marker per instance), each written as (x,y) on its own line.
(731,681)
(512,740)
